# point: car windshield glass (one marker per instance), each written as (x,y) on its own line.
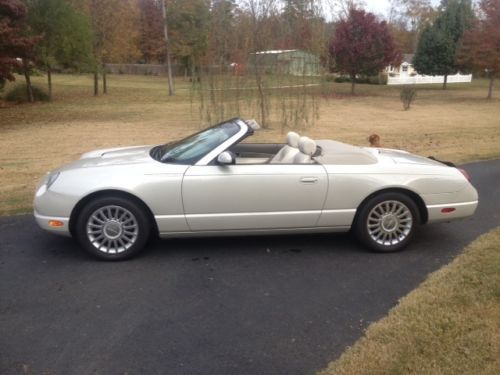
(193,148)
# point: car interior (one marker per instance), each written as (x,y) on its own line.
(296,150)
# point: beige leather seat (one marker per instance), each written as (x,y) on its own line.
(288,152)
(307,149)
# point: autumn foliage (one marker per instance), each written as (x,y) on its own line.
(481,45)
(13,44)
(363,46)
(151,43)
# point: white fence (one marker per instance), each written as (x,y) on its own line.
(420,79)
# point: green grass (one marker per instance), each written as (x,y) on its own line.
(448,325)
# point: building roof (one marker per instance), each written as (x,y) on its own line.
(275,52)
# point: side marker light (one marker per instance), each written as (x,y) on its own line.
(56,223)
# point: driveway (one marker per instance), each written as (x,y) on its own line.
(242,305)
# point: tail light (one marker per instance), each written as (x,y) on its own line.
(464,172)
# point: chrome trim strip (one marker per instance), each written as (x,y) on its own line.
(452,204)
(181,216)
(345,211)
(277,213)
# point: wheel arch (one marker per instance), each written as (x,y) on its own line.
(110,193)
(417,199)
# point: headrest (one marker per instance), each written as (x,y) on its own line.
(307,146)
(292,139)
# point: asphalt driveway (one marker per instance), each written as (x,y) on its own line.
(243,305)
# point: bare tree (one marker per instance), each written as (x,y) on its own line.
(414,14)
(340,9)
(260,11)
(171,88)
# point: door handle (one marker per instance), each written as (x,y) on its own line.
(309,180)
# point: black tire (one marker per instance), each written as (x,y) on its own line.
(371,229)
(131,225)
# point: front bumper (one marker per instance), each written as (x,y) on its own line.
(44,223)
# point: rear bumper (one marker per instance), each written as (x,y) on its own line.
(43,222)
(462,210)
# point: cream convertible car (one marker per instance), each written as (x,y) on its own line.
(210,183)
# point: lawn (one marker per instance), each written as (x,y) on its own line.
(448,325)
(457,124)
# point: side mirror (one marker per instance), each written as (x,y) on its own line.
(226,158)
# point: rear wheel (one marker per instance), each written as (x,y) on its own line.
(112,228)
(387,222)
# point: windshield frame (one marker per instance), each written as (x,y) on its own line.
(244,131)
(209,156)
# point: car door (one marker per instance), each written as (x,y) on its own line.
(260,196)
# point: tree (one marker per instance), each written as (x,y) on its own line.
(260,13)
(222,30)
(436,50)
(435,53)
(115,25)
(342,8)
(16,48)
(413,16)
(480,51)
(363,46)
(66,36)
(171,88)
(188,22)
(151,39)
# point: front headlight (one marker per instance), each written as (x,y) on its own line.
(52,178)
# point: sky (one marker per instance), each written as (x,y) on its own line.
(382,6)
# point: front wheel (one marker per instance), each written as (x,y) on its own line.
(387,222)
(112,228)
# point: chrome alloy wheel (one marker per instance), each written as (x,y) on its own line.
(112,229)
(389,223)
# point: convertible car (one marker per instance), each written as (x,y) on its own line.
(211,183)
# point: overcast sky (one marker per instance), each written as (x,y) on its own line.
(382,6)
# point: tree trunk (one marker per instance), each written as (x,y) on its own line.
(29,88)
(49,81)
(261,93)
(353,83)
(104,80)
(171,89)
(96,82)
(490,88)
(445,81)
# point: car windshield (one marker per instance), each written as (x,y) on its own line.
(191,149)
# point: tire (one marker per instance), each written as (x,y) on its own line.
(113,228)
(387,222)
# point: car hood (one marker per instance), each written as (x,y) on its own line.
(117,152)
(111,157)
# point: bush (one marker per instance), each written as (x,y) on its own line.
(407,95)
(371,80)
(18,94)
(329,77)
(382,78)
(342,79)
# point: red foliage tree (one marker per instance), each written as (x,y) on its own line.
(481,45)
(363,46)
(14,46)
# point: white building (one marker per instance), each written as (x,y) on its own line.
(405,74)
